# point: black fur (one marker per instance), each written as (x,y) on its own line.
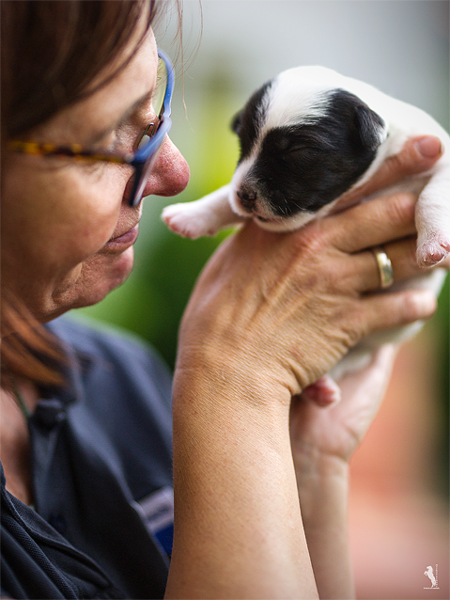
(304,167)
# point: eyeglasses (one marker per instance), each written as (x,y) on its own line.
(150,140)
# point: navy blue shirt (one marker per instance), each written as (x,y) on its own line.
(102,518)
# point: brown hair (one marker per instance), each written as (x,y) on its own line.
(51,53)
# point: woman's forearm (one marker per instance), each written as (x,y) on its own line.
(238,528)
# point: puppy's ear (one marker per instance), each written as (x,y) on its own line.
(236,123)
(371,127)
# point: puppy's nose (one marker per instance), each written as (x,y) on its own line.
(247,198)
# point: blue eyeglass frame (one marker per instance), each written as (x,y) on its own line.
(142,160)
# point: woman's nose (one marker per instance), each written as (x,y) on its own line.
(170,174)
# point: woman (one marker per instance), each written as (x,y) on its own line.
(87,457)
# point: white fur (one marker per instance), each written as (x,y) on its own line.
(295,96)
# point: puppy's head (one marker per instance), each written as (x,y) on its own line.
(304,141)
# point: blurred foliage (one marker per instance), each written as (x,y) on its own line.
(439,329)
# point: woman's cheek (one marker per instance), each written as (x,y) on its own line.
(60,215)
(90,215)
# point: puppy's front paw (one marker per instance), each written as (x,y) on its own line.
(186,220)
(433,249)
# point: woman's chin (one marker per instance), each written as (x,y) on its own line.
(97,277)
(113,276)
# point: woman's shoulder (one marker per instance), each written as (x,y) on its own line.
(110,351)
(118,400)
(88,336)
(116,383)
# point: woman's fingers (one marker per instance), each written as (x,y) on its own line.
(374,223)
(402,255)
(387,222)
(377,312)
(385,311)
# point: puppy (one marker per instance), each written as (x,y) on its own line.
(306,137)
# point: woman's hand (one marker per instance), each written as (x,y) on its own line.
(279,310)
(323,439)
(362,391)
(334,432)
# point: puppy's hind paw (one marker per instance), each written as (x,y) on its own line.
(433,249)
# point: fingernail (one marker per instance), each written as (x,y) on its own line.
(429,147)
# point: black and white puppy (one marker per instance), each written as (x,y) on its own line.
(307,137)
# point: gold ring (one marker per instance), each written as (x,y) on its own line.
(384,267)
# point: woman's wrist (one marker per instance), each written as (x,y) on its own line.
(209,371)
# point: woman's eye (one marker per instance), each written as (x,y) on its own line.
(118,140)
(105,143)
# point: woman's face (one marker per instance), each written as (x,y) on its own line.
(67,233)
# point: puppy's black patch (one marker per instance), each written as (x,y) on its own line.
(304,167)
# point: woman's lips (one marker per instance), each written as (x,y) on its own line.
(123,241)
